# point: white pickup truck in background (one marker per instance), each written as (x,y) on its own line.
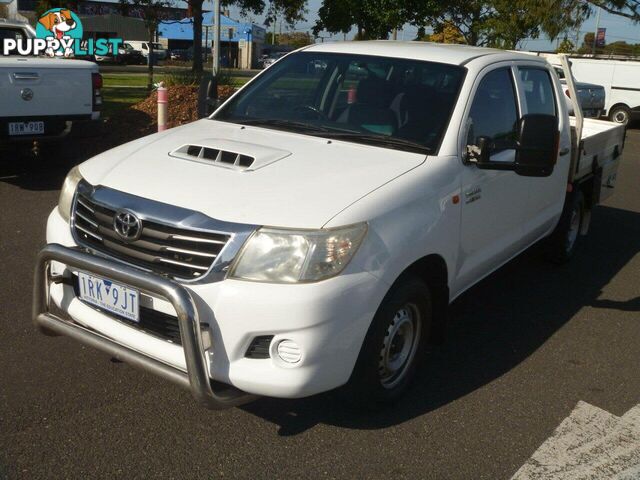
(42,97)
(312,232)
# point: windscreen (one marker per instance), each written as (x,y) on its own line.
(391,102)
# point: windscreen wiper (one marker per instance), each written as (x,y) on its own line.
(380,140)
(286,124)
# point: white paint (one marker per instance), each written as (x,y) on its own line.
(415,205)
(60,87)
(590,444)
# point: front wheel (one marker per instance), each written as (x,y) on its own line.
(393,346)
(562,242)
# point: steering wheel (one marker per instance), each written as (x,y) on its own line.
(319,113)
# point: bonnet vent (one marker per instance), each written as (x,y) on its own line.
(229,154)
(223,158)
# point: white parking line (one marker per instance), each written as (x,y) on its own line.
(589,444)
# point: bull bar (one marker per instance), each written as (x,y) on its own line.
(196,378)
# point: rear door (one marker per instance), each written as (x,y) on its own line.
(494,202)
(540,95)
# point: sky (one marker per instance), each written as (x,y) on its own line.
(618,29)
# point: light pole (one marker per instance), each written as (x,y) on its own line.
(216,37)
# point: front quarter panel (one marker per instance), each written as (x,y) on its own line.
(415,215)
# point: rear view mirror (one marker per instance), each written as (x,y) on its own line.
(537,149)
(208,100)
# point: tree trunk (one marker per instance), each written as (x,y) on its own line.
(196,8)
(150,60)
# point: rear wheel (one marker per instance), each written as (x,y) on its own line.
(393,346)
(564,239)
(620,114)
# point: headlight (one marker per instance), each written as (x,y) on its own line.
(289,256)
(67,192)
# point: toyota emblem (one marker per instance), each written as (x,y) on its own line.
(26,94)
(127,225)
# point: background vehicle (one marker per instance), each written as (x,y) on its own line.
(127,55)
(273,58)
(180,54)
(592,97)
(621,80)
(43,97)
(416,169)
(159,52)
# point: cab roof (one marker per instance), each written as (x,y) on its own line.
(427,51)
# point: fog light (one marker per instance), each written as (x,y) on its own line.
(289,351)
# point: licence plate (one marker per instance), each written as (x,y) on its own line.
(26,128)
(110,296)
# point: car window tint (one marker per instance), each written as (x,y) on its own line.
(538,90)
(494,111)
(384,96)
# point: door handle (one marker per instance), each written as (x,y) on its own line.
(564,151)
(26,76)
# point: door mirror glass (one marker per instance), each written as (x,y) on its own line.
(537,149)
(208,100)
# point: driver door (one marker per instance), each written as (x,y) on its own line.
(494,202)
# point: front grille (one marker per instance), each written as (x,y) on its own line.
(156,323)
(170,251)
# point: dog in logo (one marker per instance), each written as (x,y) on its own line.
(58,23)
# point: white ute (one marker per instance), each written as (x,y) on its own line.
(41,97)
(311,233)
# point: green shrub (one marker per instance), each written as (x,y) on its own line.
(188,77)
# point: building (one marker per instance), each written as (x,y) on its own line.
(101,7)
(114,26)
(240,42)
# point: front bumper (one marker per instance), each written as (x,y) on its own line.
(328,320)
(195,378)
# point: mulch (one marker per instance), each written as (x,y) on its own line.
(141,118)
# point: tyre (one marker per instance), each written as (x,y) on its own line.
(393,346)
(620,114)
(564,239)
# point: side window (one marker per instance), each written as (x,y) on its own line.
(12,34)
(494,111)
(538,90)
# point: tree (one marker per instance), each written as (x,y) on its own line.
(566,46)
(290,10)
(446,33)
(294,39)
(374,19)
(153,12)
(501,23)
(496,23)
(623,8)
(45,5)
(587,43)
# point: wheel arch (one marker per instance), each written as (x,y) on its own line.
(616,105)
(432,269)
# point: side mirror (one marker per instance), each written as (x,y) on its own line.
(208,100)
(537,150)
